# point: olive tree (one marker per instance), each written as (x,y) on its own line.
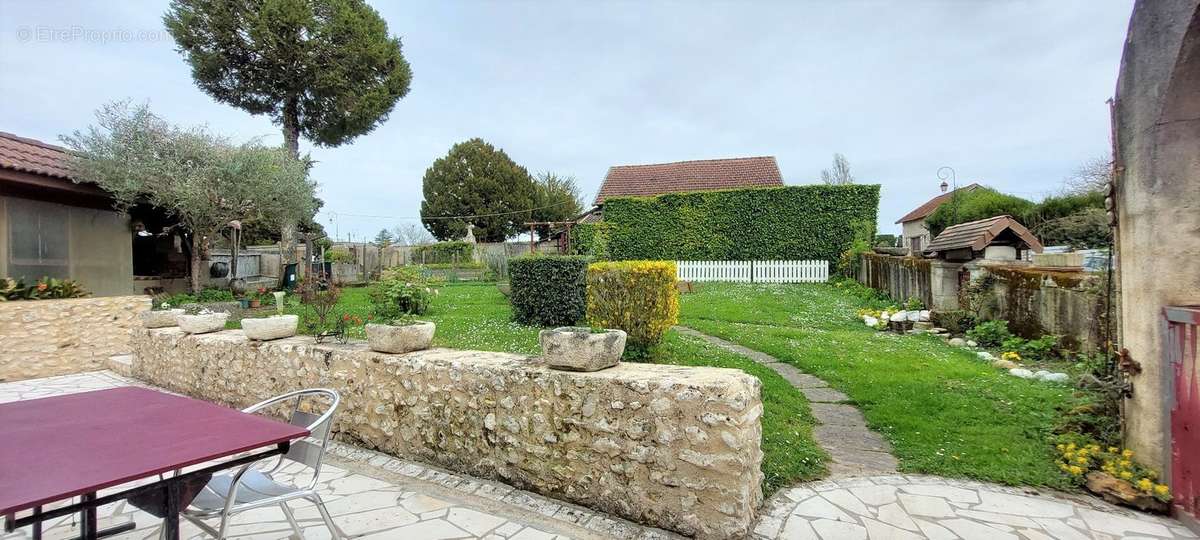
(202,179)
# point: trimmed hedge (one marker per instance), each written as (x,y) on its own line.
(813,222)
(591,239)
(444,252)
(548,290)
(639,297)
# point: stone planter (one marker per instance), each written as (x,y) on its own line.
(161,318)
(579,349)
(202,324)
(268,328)
(386,338)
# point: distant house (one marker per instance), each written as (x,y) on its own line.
(995,238)
(683,177)
(51,226)
(915,235)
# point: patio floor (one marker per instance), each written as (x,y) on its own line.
(368,493)
(378,496)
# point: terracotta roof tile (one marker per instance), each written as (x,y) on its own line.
(932,204)
(684,176)
(32,156)
(978,234)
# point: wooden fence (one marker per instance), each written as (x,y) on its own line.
(754,271)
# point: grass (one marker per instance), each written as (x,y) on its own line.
(476,316)
(944,411)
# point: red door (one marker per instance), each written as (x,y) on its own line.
(1183,325)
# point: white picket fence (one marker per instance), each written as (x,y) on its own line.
(754,271)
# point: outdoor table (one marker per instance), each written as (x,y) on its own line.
(57,448)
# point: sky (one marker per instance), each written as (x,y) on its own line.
(1010,94)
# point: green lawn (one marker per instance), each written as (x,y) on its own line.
(944,412)
(477,316)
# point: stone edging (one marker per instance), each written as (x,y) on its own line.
(854,449)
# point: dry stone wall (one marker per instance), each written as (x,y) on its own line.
(43,338)
(672,447)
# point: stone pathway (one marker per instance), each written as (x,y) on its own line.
(899,507)
(865,498)
(368,493)
(854,449)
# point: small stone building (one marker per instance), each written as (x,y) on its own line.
(999,238)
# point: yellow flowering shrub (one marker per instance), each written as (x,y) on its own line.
(1011,356)
(1077,457)
(639,297)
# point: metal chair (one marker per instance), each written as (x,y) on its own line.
(250,487)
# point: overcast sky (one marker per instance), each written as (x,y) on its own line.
(1010,94)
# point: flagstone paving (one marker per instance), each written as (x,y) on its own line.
(375,495)
(368,493)
(901,507)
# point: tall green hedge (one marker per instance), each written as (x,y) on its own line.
(814,222)
(548,290)
(591,239)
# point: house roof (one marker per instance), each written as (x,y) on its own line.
(979,234)
(924,210)
(33,156)
(684,176)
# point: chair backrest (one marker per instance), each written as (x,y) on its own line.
(307,412)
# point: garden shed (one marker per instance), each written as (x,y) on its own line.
(997,238)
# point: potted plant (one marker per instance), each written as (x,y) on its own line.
(578,348)
(161,315)
(268,328)
(203,322)
(400,295)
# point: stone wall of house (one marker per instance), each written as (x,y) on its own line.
(42,338)
(672,447)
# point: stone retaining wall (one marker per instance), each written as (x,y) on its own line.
(43,338)
(667,446)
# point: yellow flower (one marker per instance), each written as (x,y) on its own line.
(1126,475)
(1112,449)
(1081,460)
(1069,454)
(1125,463)
(1127,453)
(1161,489)
(1075,470)
(1145,484)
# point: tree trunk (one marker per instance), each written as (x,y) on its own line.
(197,262)
(291,127)
(291,141)
(234,240)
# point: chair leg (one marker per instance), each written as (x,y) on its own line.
(334,532)
(287,511)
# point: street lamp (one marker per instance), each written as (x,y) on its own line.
(945,173)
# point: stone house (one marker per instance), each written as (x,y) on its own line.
(52,226)
(914,232)
(1155,201)
(683,177)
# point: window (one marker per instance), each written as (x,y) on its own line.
(38,243)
